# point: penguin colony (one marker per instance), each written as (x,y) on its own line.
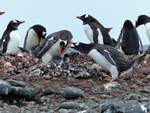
(106,51)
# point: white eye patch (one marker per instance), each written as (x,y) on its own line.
(15,21)
(43,33)
(86,16)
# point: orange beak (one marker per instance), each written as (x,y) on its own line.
(70,45)
(62,51)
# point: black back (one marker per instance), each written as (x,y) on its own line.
(63,34)
(130,39)
(94,24)
(119,59)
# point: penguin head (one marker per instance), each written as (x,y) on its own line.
(13,25)
(40,30)
(63,44)
(82,47)
(1,12)
(142,19)
(86,18)
(128,25)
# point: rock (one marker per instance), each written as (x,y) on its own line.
(133,96)
(7,90)
(16,82)
(96,66)
(148,77)
(145,70)
(111,86)
(91,104)
(72,93)
(13,109)
(64,111)
(36,72)
(147,89)
(87,111)
(148,107)
(52,90)
(73,105)
(123,107)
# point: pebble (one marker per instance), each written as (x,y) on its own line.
(131,106)
(111,86)
(148,107)
(36,72)
(73,105)
(72,93)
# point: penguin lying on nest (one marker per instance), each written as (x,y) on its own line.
(54,44)
(110,58)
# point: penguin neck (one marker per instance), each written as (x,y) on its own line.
(7,31)
(84,48)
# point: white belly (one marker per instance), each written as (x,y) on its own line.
(53,51)
(89,33)
(147,27)
(100,37)
(103,62)
(13,43)
(100,59)
(32,39)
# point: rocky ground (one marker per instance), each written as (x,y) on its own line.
(29,86)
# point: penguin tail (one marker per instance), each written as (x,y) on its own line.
(23,50)
(138,59)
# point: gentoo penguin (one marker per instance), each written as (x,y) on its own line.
(129,39)
(109,58)
(95,31)
(11,39)
(35,36)
(54,45)
(144,20)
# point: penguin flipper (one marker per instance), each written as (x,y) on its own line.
(95,35)
(107,55)
(45,47)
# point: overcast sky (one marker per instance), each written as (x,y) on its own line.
(60,14)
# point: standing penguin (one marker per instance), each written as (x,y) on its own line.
(144,20)
(95,31)
(129,39)
(10,40)
(54,45)
(109,58)
(35,36)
